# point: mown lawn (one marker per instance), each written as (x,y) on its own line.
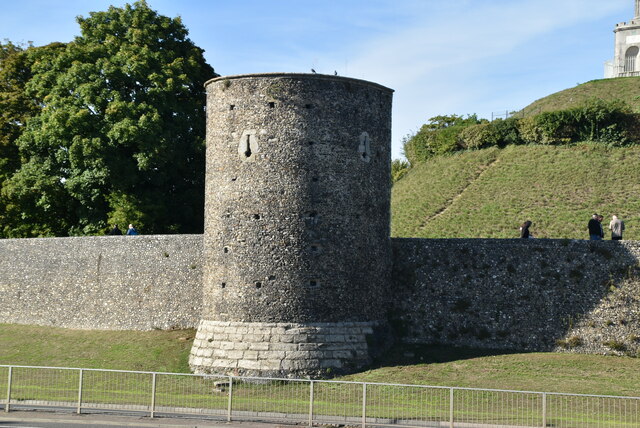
(167,351)
(163,351)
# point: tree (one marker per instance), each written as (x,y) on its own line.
(16,108)
(120,137)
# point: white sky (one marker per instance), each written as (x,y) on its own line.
(440,56)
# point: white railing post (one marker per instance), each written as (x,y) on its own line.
(450,407)
(364,405)
(544,410)
(78,410)
(311,404)
(6,406)
(230,399)
(153,395)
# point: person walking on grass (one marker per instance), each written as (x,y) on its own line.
(617,227)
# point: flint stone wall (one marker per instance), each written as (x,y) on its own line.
(297,199)
(106,282)
(576,296)
(533,294)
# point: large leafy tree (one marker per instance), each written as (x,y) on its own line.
(16,108)
(120,137)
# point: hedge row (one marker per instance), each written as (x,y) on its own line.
(607,122)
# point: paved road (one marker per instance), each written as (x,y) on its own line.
(21,419)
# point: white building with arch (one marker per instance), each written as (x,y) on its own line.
(627,48)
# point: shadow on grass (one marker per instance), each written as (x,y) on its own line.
(405,355)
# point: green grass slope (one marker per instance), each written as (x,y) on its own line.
(626,89)
(167,351)
(489,193)
(540,371)
(161,351)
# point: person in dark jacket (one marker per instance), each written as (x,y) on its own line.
(595,228)
(115,231)
(524,230)
(600,218)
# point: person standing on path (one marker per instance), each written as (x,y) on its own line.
(617,227)
(600,218)
(524,229)
(115,231)
(132,230)
(595,228)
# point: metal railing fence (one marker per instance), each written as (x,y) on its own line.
(306,401)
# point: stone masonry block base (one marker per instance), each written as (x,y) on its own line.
(279,349)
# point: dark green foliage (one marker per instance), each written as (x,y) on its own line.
(554,127)
(595,120)
(439,136)
(17,65)
(508,133)
(120,137)
(15,108)
(399,169)
(479,136)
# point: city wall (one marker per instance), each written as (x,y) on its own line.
(530,295)
(106,282)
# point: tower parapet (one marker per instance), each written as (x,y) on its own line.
(626,48)
(296,244)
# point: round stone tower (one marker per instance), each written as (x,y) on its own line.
(296,243)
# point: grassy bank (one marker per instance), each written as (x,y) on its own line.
(163,351)
(626,89)
(489,193)
(167,351)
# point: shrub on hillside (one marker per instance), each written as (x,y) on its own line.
(528,131)
(508,132)
(602,121)
(596,120)
(399,169)
(439,136)
(479,136)
(552,127)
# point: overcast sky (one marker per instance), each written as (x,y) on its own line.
(440,56)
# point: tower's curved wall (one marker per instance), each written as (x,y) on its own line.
(296,209)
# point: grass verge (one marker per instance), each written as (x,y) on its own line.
(167,351)
(161,351)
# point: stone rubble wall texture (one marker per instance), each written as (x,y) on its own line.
(297,201)
(106,282)
(528,295)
